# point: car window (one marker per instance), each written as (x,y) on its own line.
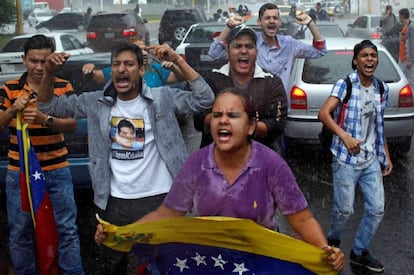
(337,64)
(110,20)
(375,21)
(71,42)
(361,22)
(15,45)
(203,34)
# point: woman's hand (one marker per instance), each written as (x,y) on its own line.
(100,234)
(336,257)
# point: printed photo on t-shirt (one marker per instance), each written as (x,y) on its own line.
(128,138)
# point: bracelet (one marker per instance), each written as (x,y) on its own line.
(309,22)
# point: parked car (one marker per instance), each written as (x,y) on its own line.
(37,16)
(313,79)
(77,143)
(333,8)
(105,29)
(175,23)
(64,21)
(11,63)
(326,28)
(365,27)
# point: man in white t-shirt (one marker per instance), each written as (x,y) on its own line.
(130,181)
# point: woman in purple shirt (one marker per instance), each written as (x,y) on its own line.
(238,177)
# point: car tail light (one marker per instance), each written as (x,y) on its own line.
(298,99)
(90,35)
(129,32)
(376,35)
(405,98)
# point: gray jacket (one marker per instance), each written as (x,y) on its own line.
(164,103)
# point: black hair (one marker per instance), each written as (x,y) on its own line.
(125,46)
(39,42)
(125,123)
(245,98)
(362,45)
(265,7)
(405,13)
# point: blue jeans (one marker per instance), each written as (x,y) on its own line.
(60,188)
(345,181)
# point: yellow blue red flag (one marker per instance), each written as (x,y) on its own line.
(36,197)
(215,245)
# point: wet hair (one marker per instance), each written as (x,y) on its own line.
(362,45)
(39,42)
(405,13)
(245,99)
(388,7)
(265,7)
(125,46)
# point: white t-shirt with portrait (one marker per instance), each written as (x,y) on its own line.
(137,168)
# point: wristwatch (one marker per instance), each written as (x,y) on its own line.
(48,122)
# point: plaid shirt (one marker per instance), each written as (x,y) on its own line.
(352,121)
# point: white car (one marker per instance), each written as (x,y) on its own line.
(11,57)
(39,15)
(312,80)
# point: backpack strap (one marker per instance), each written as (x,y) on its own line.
(348,89)
(381,87)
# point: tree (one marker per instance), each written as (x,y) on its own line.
(7,12)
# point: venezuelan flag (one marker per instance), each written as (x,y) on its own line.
(35,198)
(216,245)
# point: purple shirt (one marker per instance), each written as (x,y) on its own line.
(265,183)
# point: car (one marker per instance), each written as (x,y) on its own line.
(63,21)
(326,29)
(311,83)
(77,143)
(11,63)
(38,15)
(175,23)
(365,27)
(333,8)
(107,28)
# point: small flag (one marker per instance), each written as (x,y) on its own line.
(38,201)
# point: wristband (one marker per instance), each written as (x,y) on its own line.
(309,22)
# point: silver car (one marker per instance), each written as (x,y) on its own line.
(365,27)
(313,79)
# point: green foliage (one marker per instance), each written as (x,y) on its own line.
(7,12)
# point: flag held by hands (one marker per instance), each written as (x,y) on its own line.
(35,198)
(216,245)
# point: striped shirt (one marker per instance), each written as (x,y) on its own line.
(49,145)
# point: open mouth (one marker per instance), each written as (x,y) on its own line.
(224,135)
(243,62)
(122,82)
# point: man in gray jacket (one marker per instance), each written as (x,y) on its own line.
(130,181)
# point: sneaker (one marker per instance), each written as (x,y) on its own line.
(367,260)
(334,242)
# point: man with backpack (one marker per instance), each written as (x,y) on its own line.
(360,155)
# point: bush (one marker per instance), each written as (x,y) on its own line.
(7,12)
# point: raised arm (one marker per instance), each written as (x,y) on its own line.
(90,72)
(52,63)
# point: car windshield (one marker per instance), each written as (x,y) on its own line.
(44,13)
(110,20)
(203,34)
(336,64)
(330,31)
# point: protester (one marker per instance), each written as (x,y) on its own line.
(238,177)
(359,148)
(46,137)
(127,184)
(276,53)
(266,90)
(388,19)
(88,16)
(321,13)
(138,10)
(406,54)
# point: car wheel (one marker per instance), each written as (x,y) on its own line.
(337,9)
(81,28)
(179,33)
